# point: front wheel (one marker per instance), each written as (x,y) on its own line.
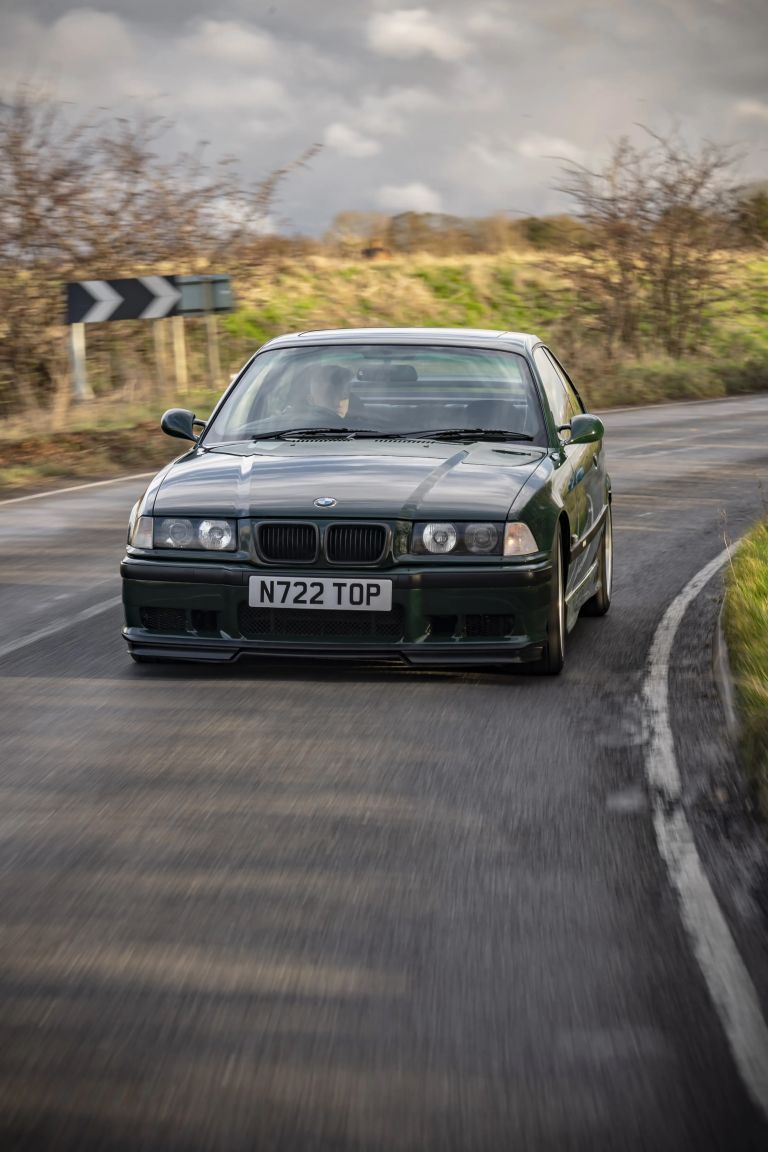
(599,604)
(552,661)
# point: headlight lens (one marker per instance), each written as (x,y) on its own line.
(439,538)
(481,538)
(216,534)
(519,540)
(177,532)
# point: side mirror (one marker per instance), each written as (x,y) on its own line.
(584,429)
(179,422)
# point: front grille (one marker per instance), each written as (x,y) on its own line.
(290,541)
(355,543)
(482,627)
(164,619)
(301,624)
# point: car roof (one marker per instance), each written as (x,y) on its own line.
(475,337)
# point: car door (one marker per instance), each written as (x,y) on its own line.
(573,490)
(590,477)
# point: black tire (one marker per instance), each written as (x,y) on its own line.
(599,604)
(552,661)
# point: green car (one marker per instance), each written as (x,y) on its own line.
(433,496)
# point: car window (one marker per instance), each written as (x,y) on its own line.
(394,389)
(554,387)
(574,400)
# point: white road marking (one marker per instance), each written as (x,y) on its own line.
(728,980)
(59,626)
(76,488)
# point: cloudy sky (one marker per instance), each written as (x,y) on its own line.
(432,106)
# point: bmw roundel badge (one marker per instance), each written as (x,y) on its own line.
(325,502)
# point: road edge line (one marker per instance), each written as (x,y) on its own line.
(59,626)
(76,488)
(730,985)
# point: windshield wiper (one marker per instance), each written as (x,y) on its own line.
(287,433)
(468,434)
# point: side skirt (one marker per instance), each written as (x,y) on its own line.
(580,594)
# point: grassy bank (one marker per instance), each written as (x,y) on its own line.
(93,441)
(745,621)
(513,290)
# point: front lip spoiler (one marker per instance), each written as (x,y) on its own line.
(524,575)
(435,656)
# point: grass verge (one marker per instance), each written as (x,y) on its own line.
(36,463)
(745,621)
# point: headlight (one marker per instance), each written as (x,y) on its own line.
(481,538)
(174,533)
(439,538)
(216,534)
(519,540)
(184,532)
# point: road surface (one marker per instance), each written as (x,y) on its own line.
(325,907)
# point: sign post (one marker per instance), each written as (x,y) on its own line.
(161,355)
(81,389)
(180,354)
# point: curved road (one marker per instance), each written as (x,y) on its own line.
(333,908)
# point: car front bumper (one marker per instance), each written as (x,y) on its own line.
(440,616)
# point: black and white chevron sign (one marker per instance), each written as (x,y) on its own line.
(140,298)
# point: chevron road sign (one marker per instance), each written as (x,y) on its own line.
(140,298)
(147,298)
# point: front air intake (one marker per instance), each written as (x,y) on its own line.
(290,542)
(355,543)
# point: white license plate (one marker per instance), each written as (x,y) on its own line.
(292,592)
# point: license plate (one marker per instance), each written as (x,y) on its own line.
(290,592)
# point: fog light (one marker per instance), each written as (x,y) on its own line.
(216,534)
(439,537)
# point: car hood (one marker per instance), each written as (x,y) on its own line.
(388,479)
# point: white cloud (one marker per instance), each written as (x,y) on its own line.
(415,197)
(493,21)
(409,32)
(393,113)
(84,36)
(536,146)
(349,142)
(753,109)
(256,93)
(229,42)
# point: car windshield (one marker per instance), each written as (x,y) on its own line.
(386,389)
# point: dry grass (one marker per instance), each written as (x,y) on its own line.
(746,629)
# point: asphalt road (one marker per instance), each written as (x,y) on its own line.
(329,908)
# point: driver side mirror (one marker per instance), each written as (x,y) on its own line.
(180,422)
(584,429)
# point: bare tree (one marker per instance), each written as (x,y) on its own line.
(89,199)
(650,263)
